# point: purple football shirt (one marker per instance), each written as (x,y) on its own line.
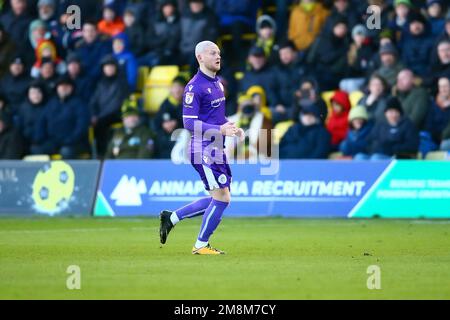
(203,103)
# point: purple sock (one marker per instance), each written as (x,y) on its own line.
(211,219)
(193,209)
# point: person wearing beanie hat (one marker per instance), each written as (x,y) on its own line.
(126,59)
(31,110)
(266,30)
(359,56)
(360,128)
(399,22)
(15,83)
(436,18)
(63,127)
(105,103)
(396,137)
(134,140)
(308,139)
(390,65)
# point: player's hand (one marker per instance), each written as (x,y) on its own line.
(229,129)
(240,134)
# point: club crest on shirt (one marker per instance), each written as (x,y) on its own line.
(189,98)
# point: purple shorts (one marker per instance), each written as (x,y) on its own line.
(213,175)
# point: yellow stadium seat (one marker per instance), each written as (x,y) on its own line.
(142,78)
(157,87)
(280,130)
(355,96)
(438,155)
(37,158)
(326,96)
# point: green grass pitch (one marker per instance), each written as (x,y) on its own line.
(267,259)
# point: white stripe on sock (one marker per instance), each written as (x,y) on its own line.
(207,221)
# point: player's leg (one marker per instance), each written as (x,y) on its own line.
(211,220)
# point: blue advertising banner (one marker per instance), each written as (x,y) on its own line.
(299,188)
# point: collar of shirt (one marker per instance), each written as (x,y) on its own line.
(207,77)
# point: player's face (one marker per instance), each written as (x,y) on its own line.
(211,58)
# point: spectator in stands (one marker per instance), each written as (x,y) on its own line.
(435,12)
(417,44)
(342,8)
(306,22)
(259,98)
(287,76)
(399,23)
(134,140)
(127,61)
(134,31)
(258,73)
(11,146)
(375,99)
(328,56)
(360,129)
(7,49)
(164,141)
(46,49)
(91,49)
(63,127)
(441,67)
(15,84)
(250,118)
(266,30)
(236,18)
(111,92)
(337,124)
(414,99)
(16,22)
(197,23)
(438,119)
(359,59)
(396,137)
(390,66)
(164,36)
(83,84)
(173,105)
(111,24)
(307,139)
(308,94)
(31,111)
(48,75)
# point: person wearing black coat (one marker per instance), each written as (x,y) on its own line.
(328,56)
(307,139)
(163,37)
(63,127)
(16,21)
(397,137)
(105,104)
(11,144)
(287,77)
(15,84)
(134,31)
(259,73)
(31,111)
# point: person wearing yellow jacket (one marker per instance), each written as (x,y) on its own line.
(305,23)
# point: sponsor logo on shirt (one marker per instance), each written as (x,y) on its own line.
(189,97)
(216,103)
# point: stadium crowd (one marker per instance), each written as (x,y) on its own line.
(295,66)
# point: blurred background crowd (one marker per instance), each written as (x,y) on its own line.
(332,82)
